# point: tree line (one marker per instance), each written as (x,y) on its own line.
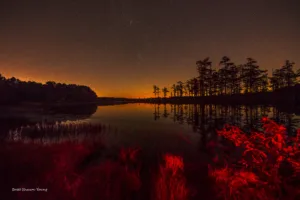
(231,79)
(14,91)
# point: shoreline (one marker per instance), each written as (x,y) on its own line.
(289,95)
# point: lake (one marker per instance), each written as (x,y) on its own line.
(164,125)
(171,128)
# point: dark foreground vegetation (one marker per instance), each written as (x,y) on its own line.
(14,91)
(231,83)
(261,165)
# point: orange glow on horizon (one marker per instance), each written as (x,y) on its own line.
(138,93)
(109,85)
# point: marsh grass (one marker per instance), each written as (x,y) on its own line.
(59,133)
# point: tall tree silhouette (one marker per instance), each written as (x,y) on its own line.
(203,67)
(290,76)
(233,78)
(284,77)
(189,87)
(215,82)
(277,79)
(185,90)
(180,88)
(165,91)
(195,86)
(264,83)
(155,90)
(224,74)
(252,75)
(239,81)
(209,79)
(174,89)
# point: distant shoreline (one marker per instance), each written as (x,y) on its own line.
(285,95)
(289,96)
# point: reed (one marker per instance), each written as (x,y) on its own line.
(58,133)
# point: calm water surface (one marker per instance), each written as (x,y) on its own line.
(178,127)
(172,128)
(138,125)
(185,119)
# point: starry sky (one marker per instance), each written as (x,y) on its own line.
(121,48)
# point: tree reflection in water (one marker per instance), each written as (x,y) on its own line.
(205,119)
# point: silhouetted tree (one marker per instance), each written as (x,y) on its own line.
(239,80)
(179,88)
(185,90)
(155,90)
(189,87)
(215,82)
(195,86)
(276,80)
(174,89)
(284,77)
(233,79)
(165,91)
(290,76)
(252,75)
(264,83)
(203,67)
(224,74)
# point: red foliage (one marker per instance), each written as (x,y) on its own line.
(171,183)
(238,184)
(261,169)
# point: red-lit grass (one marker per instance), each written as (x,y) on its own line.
(268,167)
(262,165)
(171,183)
(65,170)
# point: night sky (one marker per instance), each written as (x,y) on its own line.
(121,48)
